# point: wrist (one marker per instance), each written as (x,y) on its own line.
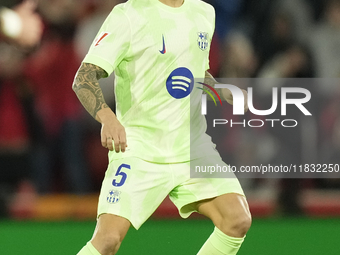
(105,114)
(11,24)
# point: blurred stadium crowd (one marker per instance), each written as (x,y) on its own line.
(49,144)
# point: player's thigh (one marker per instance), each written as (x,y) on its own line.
(133,189)
(226,206)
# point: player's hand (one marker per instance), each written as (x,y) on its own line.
(228,96)
(245,94)
(113,134)
(32,25)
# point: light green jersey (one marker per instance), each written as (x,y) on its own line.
(156,52)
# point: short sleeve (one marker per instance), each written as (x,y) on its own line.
(111,43)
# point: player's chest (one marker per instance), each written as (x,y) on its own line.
(170,39)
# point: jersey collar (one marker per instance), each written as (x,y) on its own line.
(169,8)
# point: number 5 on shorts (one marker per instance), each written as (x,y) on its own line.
(122,174)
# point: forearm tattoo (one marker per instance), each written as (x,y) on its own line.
(87,88)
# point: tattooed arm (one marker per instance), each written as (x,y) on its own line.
(88,90)
(226,93)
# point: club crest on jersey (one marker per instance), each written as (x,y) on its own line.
(202,40)
(113,197)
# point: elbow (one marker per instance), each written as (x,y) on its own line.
(74,84)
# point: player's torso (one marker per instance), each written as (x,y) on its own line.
(169,49)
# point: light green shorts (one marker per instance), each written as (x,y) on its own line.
(134,188)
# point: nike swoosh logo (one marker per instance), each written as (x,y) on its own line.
(164,49)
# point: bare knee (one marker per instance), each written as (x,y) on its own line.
(229,212)
(236,225)
(107,243)
(109,233)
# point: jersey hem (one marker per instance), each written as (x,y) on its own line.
(166,160)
